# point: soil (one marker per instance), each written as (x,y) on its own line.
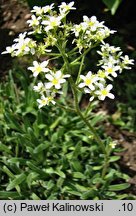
(13,17)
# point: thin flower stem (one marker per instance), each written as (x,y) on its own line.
(80,68)
(73,87)
(78,111)
(53,54)
(96,136)
(85,53)
(87,109)
(66,107)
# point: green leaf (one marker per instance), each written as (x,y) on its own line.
(76,165)
(31,177)
(112,5)
(114,158)
(41,147)
(60,173)
(5,148)
(97,180)
(70,190)
(17,160)
(4,195)
(89,194)
(10,119)
(118,187)
(18,180)
(35,197)
(79,175)
(60,182)
(98,118)
(97,167)
(36,169)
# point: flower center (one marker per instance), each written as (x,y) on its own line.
(44,102)
(55,81)
(104,92)
(88,81)
(102,74)
(39,69)
(109,70)
(91,23)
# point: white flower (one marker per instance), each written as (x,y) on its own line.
(41,10)
(92,22)
(89,80)
(37,10)
(9,49)
(48,8)
(106,48)
(23,45)
(104,92)
(77,29)
(56,79)
(89,91)
(111,69)
(39,88)
(66,7)
(34,21)
(45,101)
(113,144)
(52,22)
(126,61)
(39,67)
(21,37)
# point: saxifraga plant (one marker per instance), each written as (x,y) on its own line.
(64,46)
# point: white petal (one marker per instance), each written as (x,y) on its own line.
(30,68)
(91,87)
(114,74)
(45,70)
(48,85)
(87,90)
(58,74)
(35,63)
(81,85)
(91,98)
(85,18)
(109,87)
(66,75)
(89,74)
(44,63)
(110,95)
(101,97)
(93,19)
(97,92)
(39,100)
(62,81)
(49,77)
(58,86)
(82,77)
(35,74)
(53,102)
(101,86)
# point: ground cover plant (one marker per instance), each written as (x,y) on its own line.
(66,157)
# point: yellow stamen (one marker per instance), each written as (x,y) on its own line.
(104,92)
(88,81)
(55,81)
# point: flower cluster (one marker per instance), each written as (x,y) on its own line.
(52,82)
(111,63)
(89,32)
(51,31)
(22,46)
